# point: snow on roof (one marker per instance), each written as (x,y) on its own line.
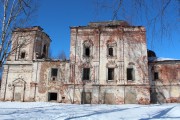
(164,59)
(160,59)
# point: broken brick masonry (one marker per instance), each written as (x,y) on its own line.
(108,65)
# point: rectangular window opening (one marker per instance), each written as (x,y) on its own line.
(54,72)
(156,76)
(130,75)
(87,51)
(23,55)
(86,73)
(110,51)
(110,73)
(52,96)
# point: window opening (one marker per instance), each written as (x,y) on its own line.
(44,49)
(52,96)
(156,76)
(110,51)
(23,55)
(86,73)
(130,74)
(110,73)
(54,72)
(44,52)
(87,51)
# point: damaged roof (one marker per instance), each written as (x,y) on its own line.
(109,23)
(34,28)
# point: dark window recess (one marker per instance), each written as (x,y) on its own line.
(54,72)
(52,96)
(87,51)
(44,52)
(44,49)
(156,75)
(129,73)
(23,55)
(110,73)
(110,51)
(86,73)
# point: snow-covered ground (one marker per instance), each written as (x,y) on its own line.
(57,111)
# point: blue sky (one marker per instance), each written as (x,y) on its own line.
(56,16)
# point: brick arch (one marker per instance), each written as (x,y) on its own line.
(19,81)
(86,65)
(88,42)
(111,63)
(111,41)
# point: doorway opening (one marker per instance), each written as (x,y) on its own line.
(52,96)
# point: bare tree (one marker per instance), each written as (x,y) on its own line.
(13,14)
(61,56)
(159,16)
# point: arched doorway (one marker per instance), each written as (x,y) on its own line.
(19,89)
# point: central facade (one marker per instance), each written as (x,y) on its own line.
(108,65)
(109,62)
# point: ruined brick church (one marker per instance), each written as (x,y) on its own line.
(109,64)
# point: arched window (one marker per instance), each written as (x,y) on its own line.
(87,48)
(111,49)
